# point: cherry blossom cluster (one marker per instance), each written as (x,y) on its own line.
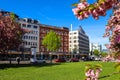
(113,29)
(108,58)
(92,73)
(78,11)
(84,9)
(10,34)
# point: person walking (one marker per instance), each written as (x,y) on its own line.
(18,60)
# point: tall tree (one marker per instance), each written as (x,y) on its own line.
(10,33)
(103,54)
(52,41)
(96,52)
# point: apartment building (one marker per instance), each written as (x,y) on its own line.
(30,39)
(78,42)
(37,33)
(96,46)
(63,32)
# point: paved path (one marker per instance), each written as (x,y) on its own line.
(14,62)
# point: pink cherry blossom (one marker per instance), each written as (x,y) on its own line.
(81,6)
(84,9)
(75,10)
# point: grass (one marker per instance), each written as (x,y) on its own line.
(59,71)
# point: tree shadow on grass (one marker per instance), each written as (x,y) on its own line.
(109,75)
(5,66)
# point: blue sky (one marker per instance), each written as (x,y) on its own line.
(58,13)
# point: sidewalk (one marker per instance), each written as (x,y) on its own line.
(14,62)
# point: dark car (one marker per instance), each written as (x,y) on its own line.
(60,60)
(74,60)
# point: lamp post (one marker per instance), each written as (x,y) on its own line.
(72,53)
(22,50)
(41,55)
(50,57)
(33,54)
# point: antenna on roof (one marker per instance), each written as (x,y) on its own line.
(71,27)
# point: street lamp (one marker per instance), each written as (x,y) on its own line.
(22,50)
(41,55)
(50,57)
(33,54)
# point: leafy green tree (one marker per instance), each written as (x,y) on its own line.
(103,54)
(52,41)
(96,52)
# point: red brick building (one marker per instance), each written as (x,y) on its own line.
(62,32)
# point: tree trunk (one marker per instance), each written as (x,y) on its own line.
(10,59)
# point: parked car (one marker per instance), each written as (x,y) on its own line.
(97,59)
(60,60)
(37,61)
(41,61)
(74,60)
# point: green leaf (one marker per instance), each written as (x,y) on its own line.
(12,15)
(91,6)
(75,4)
(100,1)
(80,13)
(83,0)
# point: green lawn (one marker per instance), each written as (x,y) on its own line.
(60,71)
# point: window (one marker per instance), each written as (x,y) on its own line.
(29,26)
(31,43)
(35,21)
(35,43)
(23,37)
(36,32)
(28,43)
(74,41)
(23,25)
(36,38)
(75,46)
(29,37)
(35,27)
(75,37)
(24,20)
(26,37)
(75,33)
(29,20)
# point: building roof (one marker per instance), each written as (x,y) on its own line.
(7,12)
(81,30)
(50,26)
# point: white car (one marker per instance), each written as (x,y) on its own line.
(40,61)
(97,59)
(37,60)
